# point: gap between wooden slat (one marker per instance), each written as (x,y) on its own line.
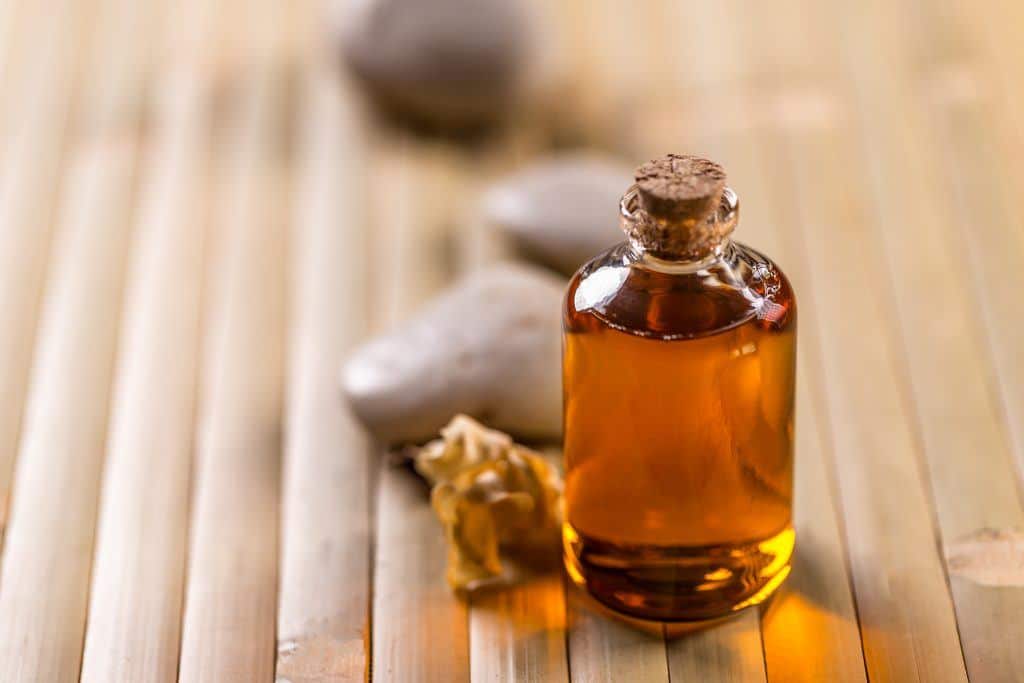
(45,575)
(323,629)
(231,595)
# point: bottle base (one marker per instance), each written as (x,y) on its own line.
(677,583)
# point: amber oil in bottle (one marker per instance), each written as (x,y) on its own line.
(678,378)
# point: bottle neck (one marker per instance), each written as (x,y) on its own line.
(687,243)
(682,265)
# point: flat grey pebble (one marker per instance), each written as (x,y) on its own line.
(560,212)
(447,63)
(489,347)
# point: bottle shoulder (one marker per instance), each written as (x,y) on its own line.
(624,290)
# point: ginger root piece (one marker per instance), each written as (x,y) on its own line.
(496,500)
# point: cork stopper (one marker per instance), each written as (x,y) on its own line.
(679,187)
(677,207)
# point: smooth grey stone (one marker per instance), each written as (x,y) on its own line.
(489,347)
(562,211)
(447,63)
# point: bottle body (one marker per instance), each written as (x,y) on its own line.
(678,385)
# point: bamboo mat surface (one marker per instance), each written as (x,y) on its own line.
(200,217)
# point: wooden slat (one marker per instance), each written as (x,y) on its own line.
(416,197)
(40,45)
(47,557)
(803,106)
(810,629)
(231,593)
(985,215)
(419,629)
(991,234)
(610,69)
(995,33)
(323,623)
(518,632)
(45,577)
(907,623)
(615,64)
(138,577)
(9,15)
(10,48)
(892,394)
(39,110)
(943,349)
(983,171)
(692,53)
(124,47)
(729,651)
(604,648)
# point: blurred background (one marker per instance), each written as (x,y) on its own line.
(205,204)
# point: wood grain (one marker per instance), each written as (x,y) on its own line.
(323,621)
(231,595)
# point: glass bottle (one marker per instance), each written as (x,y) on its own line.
(679,353)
